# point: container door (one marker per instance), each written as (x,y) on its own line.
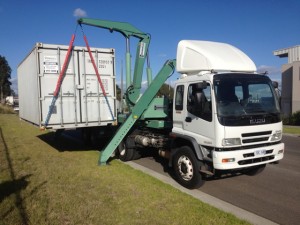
(93,104)
(66,107)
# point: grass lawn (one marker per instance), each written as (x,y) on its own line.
(291,130)
(43,181)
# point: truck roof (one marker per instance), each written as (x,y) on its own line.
(196,56)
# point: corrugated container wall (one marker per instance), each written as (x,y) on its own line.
(81,102)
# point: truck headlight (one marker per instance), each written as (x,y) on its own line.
(231,141)
(276,136)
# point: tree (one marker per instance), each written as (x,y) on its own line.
(119,97)
(166,90)
(5,72)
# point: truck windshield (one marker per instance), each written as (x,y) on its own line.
(245,99)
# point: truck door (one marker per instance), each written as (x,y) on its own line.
(198,121)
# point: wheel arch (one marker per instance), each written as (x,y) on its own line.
(179,140)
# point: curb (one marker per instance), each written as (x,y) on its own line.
(215,202)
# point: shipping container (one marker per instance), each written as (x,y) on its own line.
(81,102)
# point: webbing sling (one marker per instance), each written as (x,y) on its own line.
(59,82)
(98,75)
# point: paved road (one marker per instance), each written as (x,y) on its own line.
(273,194)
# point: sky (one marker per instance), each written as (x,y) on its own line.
(257,27)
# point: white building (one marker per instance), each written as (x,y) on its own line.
(290,77)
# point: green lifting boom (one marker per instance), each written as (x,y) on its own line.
(127,30)
(137,111)
(137,105)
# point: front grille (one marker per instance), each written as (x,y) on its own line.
(253,140)
(256,160)
(257,134)
(256,137)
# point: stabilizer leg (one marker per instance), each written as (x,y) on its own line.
(137,110)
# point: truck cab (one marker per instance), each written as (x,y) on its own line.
(227,113)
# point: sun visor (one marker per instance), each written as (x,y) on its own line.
(196,56)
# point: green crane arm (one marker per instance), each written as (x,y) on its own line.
(127,30)
(138,110)
(124,28)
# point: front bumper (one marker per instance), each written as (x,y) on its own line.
(237,159)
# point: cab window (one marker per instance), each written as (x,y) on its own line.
(199,101)
(179,97)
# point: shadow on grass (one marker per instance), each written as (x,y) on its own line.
(13,186)
(19,201)
(20,184)
(71,141)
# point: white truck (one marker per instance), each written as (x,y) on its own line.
(224,117)
(224,112)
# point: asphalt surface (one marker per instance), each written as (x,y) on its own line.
(267,198)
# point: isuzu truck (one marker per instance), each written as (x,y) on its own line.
(224,116)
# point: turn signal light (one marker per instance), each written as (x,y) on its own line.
(228,160)
(280,151)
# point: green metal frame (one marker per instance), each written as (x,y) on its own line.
(137,107)
(138,110)
(158,109)
(127,30)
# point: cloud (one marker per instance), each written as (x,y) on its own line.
(270,69)
(162,55)
(273,72)
(79,13)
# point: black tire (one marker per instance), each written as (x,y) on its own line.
(187,168)
(125,154)
(86,136)
(136,154)
(94,134)
(255,170)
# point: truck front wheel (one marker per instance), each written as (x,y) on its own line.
(187,168)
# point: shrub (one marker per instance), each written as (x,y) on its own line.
(286,120)
(4,109)
(294,119)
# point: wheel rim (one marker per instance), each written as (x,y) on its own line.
(185,168)
(122,150)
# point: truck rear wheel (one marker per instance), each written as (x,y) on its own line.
(86,135)
(125,154)
(187,168)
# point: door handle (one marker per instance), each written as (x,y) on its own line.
(188,119)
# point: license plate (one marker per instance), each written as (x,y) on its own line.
(260,152)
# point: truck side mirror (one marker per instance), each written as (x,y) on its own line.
(204,85)
(275,84)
